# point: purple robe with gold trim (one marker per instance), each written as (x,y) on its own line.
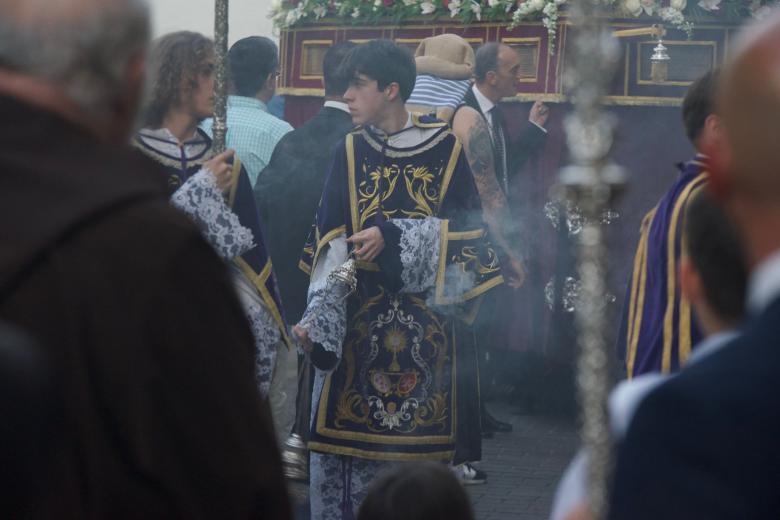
(659,328)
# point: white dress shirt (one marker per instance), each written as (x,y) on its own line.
(338,105)
(764,284)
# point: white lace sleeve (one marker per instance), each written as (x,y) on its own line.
(420,250)
(200,198)
(326,313)
(264,329)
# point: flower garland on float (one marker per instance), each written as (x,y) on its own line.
(680,14)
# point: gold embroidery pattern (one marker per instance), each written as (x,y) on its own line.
(419,181)
(403,372)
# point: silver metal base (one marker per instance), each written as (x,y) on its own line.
(295,458)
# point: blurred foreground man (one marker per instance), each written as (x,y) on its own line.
(704,445)
(162,418)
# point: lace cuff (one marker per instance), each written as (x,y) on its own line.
(200,198)
(326,313)
(420,245)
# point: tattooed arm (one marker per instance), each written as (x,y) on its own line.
(471,129)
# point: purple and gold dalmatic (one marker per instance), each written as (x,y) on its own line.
(659,328)
(392,396)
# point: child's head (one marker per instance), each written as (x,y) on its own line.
(425,491)
(381,75)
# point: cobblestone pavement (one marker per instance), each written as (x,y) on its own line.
(523,467)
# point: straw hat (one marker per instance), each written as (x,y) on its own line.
(446,56)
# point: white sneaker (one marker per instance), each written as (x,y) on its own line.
(469,475)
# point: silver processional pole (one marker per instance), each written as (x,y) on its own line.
(592,182)
(221,74)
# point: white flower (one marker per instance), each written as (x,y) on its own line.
(320,11)
(678,4)
(759,11)
(276,5)
(536,5)
(454,8)
(410,2)
(427,7)
(633,7)
(356,13)
(671,15)
(476,9)
(290,18)
(648,6)
(709,5)
(551,10)
(493,3)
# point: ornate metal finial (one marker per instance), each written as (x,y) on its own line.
(659,63)
(347,274)
(220,74)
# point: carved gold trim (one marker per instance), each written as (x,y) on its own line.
(670,44)
(305,57)
(301,92)
(538,41)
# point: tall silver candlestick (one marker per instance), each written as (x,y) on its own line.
(591,182)
(220,73)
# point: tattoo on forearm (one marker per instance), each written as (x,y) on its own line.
(479,153)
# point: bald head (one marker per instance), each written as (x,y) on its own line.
(750,104)
(82,47)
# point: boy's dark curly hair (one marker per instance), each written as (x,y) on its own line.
(176,61)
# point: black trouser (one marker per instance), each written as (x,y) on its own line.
(468,436)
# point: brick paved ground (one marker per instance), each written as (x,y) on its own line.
(523,468)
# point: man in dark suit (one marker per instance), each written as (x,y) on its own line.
(289,188)
(496,70)
(705,444)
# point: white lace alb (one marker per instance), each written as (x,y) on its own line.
(420,250)
(200,198)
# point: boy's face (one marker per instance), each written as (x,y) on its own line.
(366,102)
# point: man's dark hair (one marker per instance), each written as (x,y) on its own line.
(335,83)
(486,59)
(699,103)
(715,250)
(385,62)
(423,491)
(251,61)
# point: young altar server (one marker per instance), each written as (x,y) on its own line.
(401,195)
(214,191)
